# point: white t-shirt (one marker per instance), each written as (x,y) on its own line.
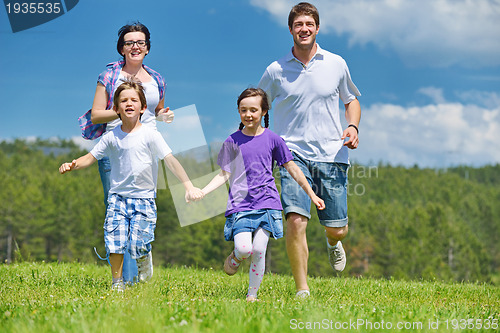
(152,99)
(134,160)
(306,103)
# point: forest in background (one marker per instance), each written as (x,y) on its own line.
(405,223)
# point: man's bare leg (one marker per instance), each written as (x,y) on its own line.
(297,250)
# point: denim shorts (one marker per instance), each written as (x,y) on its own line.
(129,225)
(249,221)
(329,182)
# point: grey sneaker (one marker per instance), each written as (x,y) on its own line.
(118,286)
(145,267)
(336,256)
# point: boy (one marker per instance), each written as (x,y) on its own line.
(131,215)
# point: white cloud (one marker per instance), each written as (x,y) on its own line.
(487,99)
(434,135)
(436,94)
(436,33)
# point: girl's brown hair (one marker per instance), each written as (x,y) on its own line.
(264,104)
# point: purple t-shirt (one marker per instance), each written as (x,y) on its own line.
(250,161)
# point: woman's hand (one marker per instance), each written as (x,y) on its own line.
(166,115)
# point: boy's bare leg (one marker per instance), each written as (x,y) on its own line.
(296,247)
(116,261)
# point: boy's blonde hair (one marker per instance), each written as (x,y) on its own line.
(130,84)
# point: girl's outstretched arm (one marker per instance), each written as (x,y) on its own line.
(299,177)
(192,193)
(79,163)
(217,181)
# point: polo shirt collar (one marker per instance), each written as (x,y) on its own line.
(290,56)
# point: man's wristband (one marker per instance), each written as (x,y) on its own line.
(352,125)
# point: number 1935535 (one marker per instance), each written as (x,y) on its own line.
(33,7)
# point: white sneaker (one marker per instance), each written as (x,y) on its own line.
(118,286)
(336,256)
(145,267)
(302,294)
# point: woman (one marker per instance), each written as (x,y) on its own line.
(133,45)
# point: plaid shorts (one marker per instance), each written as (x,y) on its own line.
(129,225)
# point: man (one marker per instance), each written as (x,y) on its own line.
(305,86)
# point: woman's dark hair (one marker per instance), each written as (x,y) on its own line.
(134,27)
(264,102)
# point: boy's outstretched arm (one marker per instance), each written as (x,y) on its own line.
(80,163)
(217,181)
(192,193)
(299,177)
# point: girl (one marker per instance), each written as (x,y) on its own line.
(254,208)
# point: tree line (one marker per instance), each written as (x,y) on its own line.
(405,223)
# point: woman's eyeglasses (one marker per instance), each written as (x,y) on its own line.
(130,43)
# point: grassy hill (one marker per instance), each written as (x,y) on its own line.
(404,223)
(74,297)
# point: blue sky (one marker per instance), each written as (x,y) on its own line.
(428,71)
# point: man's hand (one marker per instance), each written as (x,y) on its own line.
(352,134)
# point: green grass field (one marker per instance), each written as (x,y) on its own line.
(43,297)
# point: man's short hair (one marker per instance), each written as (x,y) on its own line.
(303,8)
